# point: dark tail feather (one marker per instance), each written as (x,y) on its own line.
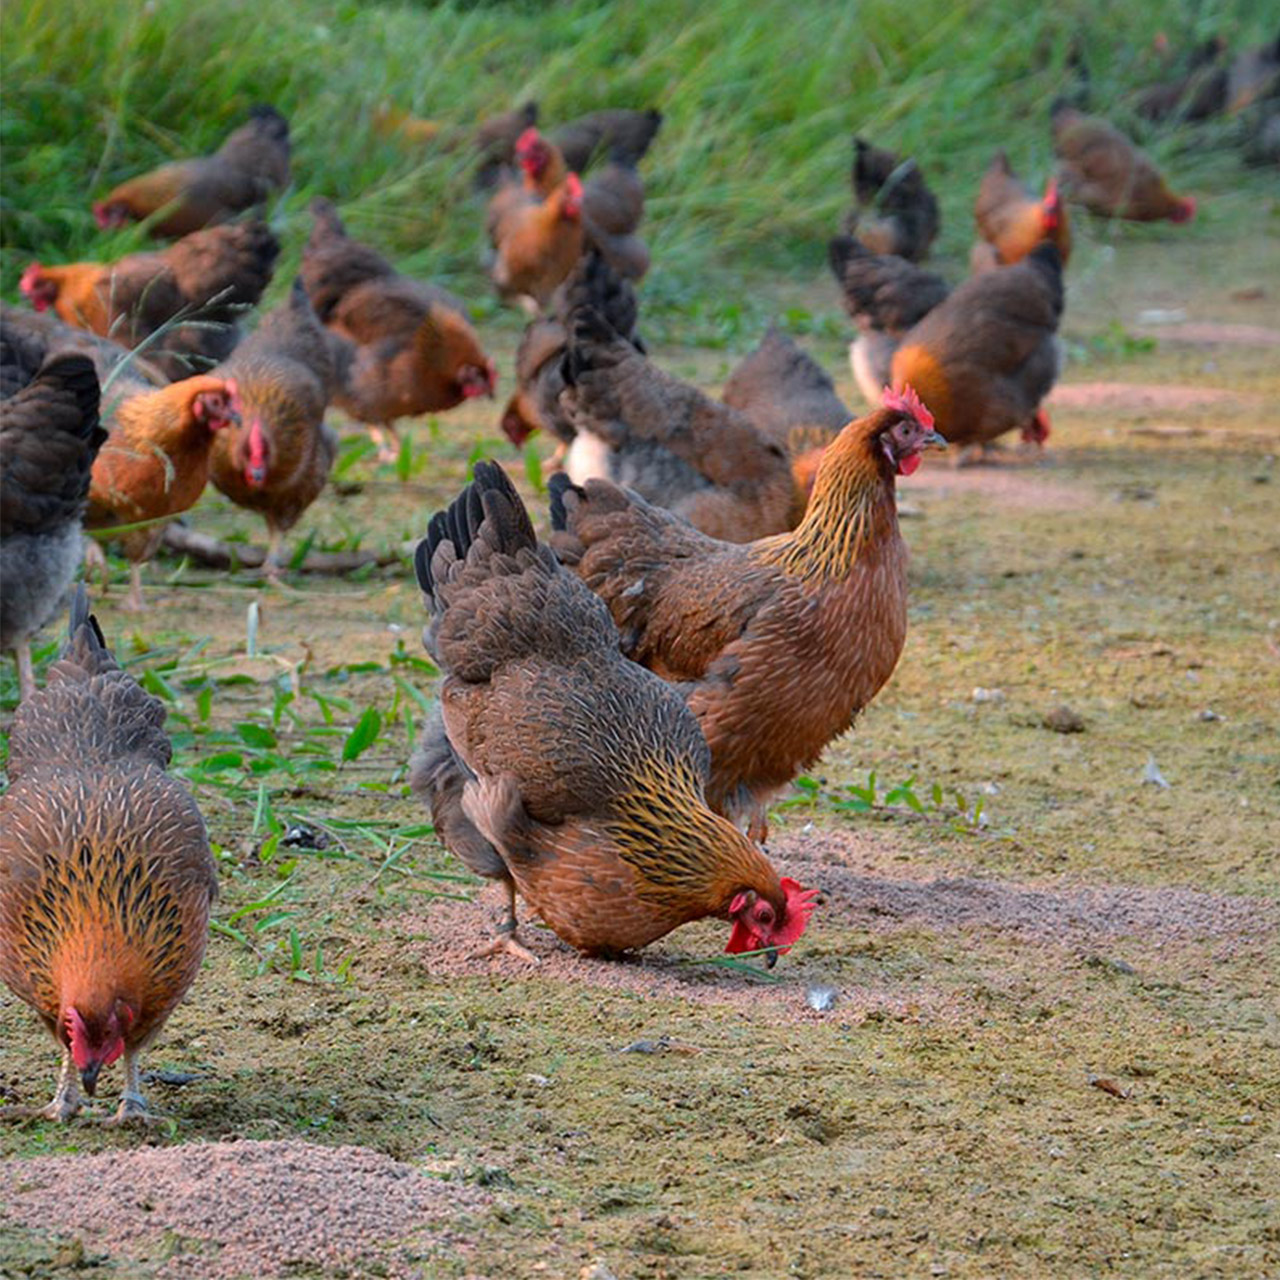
(557,486)
(86,645)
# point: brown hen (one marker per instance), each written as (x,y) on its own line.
(209,276)
(106,879)
(155,462)
(985,357)
(1011,221)
(571,775)
(277,458)
(252,163)
(776,646)
(1101,169)
(403,348)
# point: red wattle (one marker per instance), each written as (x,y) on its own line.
(908,464)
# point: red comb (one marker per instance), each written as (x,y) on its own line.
(906,401)
(527,140)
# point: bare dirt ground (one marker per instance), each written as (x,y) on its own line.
(1039,1040)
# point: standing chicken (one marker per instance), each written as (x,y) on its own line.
(886,295)
(210,277)
(984,358)
(561,769)
(251,164)
(776,646)
(1011,221)
(673,444)
(620,132)
(895,210)
(155,462)
(106,879)
(1101,169)
(49,437)
(536,243)
(277,458)
(404,348)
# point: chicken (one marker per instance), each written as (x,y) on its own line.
(49,437)
(540,355)
(390,121)
(1197,94)
(885,295)
(1012,221)
(106,878)
(277,459)
(777,645)
(620,133)
(1101,169)
(896,212)
(676,446)
(251,164)
(984,358)
(404,348)
(612,201)
(536,243)
(574,777)
(209,276)
(155,461)
(790,398)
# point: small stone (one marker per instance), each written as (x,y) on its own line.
(988,695)
(1208,715)
(1151,774)
(1064,720)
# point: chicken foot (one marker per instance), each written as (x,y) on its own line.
(506,941)
(388,441)
(66,1099)
(133,1107)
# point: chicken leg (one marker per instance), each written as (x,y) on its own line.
(506,941)
(388,441)
(133,602)
(26,672)
(133,1107)
(66,1100)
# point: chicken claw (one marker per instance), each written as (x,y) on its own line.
(507,942)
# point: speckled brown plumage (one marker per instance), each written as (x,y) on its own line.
(277,458)
(776,645)
(564,769)
(106,878)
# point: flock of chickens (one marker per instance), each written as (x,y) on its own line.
(697,545)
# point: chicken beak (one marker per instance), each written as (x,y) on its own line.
(933,439)
(89,1077)
(771,957)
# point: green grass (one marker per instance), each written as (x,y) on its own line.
(749,173)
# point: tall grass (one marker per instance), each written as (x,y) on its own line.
(750,171)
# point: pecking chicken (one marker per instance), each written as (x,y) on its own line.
(984,358)
(1101,169)
(1011,221)
(574,777)
(277,458)
(403,348)
(209,276)
(251,164)
(49,437)
(790,398)
(155,461)
(886,295)
(895,210)
(106,879)
(540,355)
(777,645)
(672,443)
